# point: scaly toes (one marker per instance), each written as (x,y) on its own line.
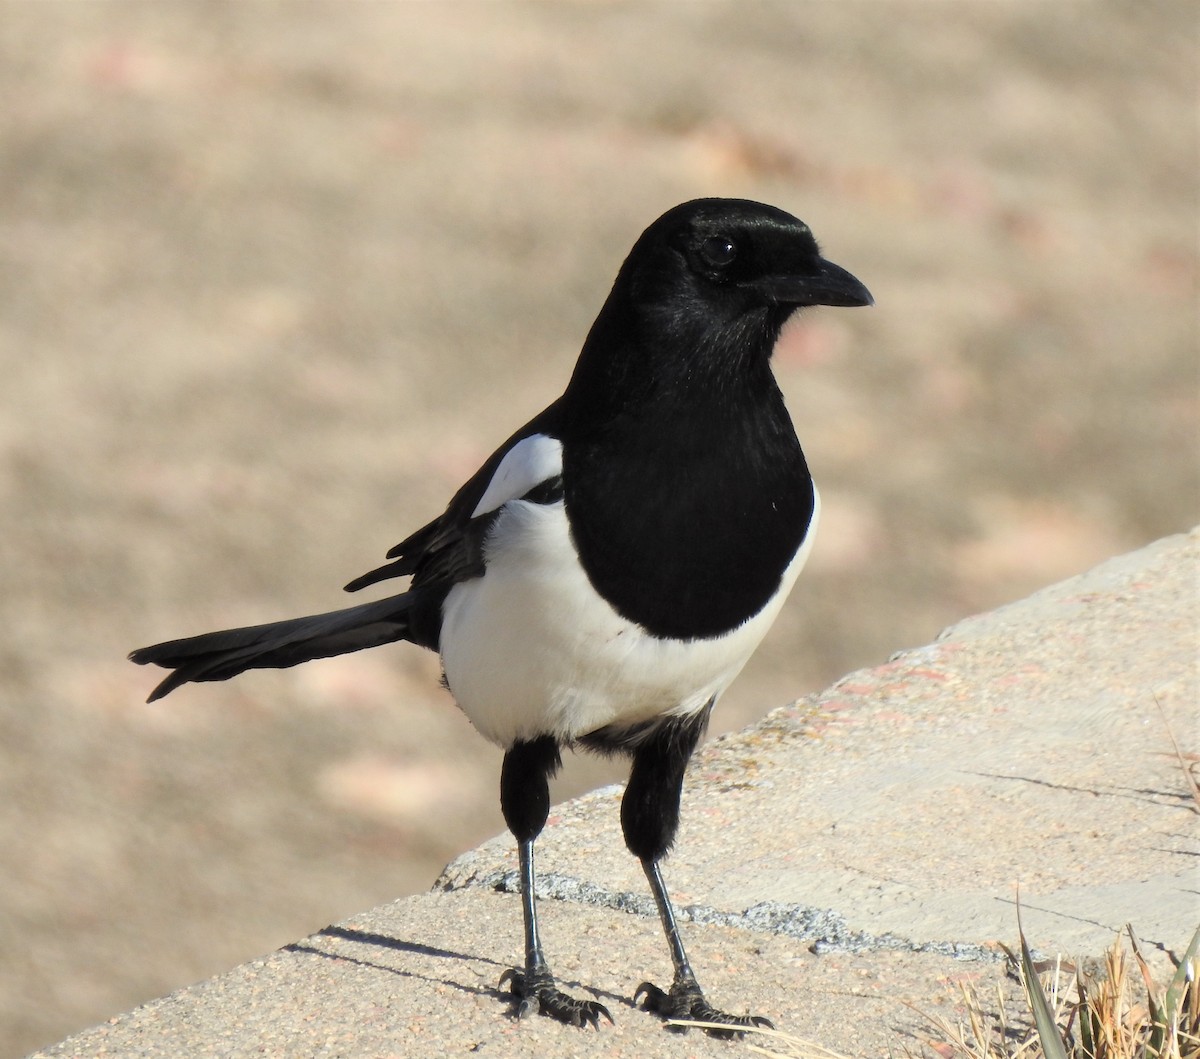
(653,1000)
(538,993)
(686,1003)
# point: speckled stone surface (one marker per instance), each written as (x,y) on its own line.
(853,854)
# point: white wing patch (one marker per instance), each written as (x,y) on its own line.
(527,464)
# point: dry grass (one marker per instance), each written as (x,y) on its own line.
(1096,1010)
(1100,1009)
(1188,762)
(792,1047)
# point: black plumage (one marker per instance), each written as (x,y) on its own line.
(607,572)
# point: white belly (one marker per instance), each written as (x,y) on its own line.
(530,649)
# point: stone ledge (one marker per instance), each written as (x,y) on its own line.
(848,856)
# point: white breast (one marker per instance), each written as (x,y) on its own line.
(531,649)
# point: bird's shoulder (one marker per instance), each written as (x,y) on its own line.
(449,549)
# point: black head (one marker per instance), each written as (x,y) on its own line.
(720,258)
(703,294)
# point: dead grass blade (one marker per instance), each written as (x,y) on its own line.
(1187,768)
(796,1047)
(1113,1014)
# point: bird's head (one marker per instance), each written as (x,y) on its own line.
(709,285)
(721,258)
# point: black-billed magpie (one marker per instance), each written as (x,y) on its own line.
(608,571)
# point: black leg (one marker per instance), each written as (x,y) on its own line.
(650,817)
(685,1001)
(525,800)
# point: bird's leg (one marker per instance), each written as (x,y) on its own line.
(649,818)
(685,1001)
(525,800)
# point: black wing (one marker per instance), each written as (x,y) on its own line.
(438,556)
(450,548)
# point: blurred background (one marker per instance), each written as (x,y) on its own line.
(274,278)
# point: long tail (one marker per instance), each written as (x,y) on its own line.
(280,644)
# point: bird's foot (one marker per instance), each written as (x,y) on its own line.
(536,992)
(685,1002)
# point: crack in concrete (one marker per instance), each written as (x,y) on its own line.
(823,927)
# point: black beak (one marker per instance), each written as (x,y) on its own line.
(829,284)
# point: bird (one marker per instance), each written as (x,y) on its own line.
(611,567)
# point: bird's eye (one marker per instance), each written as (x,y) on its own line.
(718,251)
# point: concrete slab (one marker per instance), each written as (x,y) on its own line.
(903,806)
(418,978)
(841,865)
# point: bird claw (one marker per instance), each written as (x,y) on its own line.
(685,1003)
(537,993)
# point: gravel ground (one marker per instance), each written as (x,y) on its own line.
(276,277)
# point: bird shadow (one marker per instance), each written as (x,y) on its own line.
(415,948)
